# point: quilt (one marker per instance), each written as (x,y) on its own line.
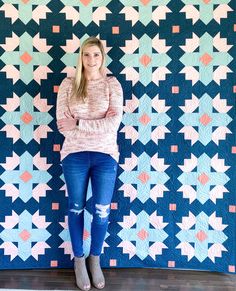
(174,204)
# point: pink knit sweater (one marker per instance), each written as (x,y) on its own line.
(97,129)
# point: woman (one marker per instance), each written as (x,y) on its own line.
(89,112)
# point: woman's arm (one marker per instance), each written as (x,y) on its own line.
(66,123)
(111,122)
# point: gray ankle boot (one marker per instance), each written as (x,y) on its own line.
(98,279)
(81,274)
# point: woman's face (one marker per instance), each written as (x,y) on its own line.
(92,58)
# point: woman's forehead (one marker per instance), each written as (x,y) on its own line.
(92,49)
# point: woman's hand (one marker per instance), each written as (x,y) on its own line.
(67,123)
(110,113)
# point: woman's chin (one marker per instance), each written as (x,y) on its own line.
(95,68)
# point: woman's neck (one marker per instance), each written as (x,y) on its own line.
(93,76)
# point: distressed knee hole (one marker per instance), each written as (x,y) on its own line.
(102,210)
(75,208)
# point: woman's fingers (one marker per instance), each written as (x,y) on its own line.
(68,115)
(61,123)
(66,123)
(110,113)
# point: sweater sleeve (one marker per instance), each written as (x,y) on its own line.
(62,102)
(111,122)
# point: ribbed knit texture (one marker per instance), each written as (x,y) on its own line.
(99,117)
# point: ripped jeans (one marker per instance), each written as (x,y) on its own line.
(77,169)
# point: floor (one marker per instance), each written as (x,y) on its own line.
(121,279)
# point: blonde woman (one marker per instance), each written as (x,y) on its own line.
(89,112)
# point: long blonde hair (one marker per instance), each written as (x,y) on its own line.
(79,88)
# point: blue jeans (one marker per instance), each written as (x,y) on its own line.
(78,168)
